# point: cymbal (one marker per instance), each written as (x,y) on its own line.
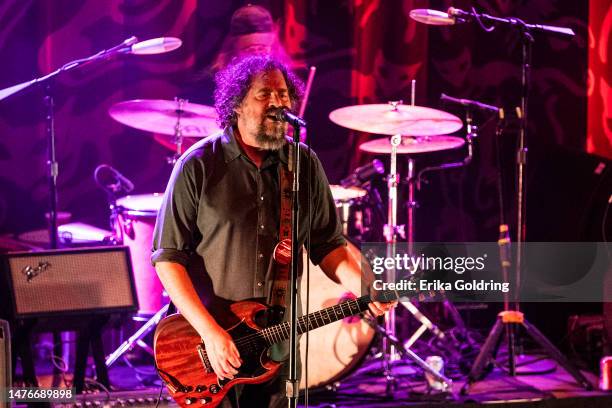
(413,144)
(160,116)
(393,119)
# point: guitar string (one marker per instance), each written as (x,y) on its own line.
(281,330)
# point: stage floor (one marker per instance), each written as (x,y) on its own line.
(546,385)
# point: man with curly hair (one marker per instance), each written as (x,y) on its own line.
(219,222)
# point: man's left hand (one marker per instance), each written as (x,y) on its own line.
(380,308)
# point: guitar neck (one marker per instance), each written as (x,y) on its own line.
(280,332)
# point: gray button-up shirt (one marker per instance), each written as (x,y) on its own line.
(220,216)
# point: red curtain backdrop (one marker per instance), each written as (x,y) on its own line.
(599,136)
(390,51)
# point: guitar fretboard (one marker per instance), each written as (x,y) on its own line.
(280,332)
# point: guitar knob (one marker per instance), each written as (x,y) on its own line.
(205,400)
(190,400)
(200,388)
(214,388)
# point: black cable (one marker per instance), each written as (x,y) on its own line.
(480,23)
(500,177)
(604,220)
(161,389)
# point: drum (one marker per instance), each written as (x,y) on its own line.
(135,222)
(349,209)
(334,349)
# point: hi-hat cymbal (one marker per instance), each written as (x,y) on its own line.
(160,116)
(413,144)
(394,119)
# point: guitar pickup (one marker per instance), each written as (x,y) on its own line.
(204,359)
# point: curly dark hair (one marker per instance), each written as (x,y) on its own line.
(233,84)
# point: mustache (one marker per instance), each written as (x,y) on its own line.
(275,113)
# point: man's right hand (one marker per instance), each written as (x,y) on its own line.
(222,353)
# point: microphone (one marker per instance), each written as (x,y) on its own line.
(149,47)
(363,174)
(283,115)
(469,103)
(111,180)
(434,17)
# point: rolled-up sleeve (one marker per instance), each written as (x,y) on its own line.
(175,231)
(326,230)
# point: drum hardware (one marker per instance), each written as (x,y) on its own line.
(177,139)
(391,231)
(136,338)
(423,125)
(407,353)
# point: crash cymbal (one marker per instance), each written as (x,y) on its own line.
(160,116)
(413,144)
(393,119)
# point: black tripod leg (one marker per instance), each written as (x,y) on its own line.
(22,344)
(486,352)
(511,332)
(556,355)
(81,360)
(97,351)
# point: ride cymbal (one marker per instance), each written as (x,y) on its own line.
(162,116)
(393,119)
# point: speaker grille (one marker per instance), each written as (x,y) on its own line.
(83,280)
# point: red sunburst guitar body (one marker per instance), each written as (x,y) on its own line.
(182,362)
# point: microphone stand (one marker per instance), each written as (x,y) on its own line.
(511,318)
(292,383)
(52,163)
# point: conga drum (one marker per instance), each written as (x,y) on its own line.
(135,222)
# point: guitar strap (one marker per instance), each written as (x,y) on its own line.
(282,252)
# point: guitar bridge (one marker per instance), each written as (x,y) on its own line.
(204,359)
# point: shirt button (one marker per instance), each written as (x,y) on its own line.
(260,256)
(261,198)
(260,284)
(261,226)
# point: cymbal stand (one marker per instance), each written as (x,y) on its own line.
(178,131)
(414,183)
(391,232)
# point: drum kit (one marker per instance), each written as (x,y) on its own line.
(410,130)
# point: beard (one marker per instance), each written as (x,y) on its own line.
(271,135)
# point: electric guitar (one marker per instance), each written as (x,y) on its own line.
(183,364)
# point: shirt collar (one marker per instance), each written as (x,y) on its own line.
(231,149)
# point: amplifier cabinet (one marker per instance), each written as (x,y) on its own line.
(67,282)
